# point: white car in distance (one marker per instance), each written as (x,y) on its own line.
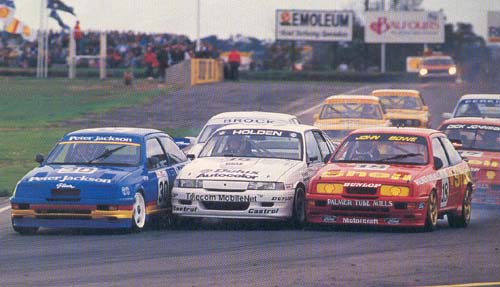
(252,172)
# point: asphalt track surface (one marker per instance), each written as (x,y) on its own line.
(257,253)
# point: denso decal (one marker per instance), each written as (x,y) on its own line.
(228,173)
(352,173)
(263,211)
(258,132)
(281,198)
(221,197)
(82,178)
(349,220)
(80,170)
(371,166)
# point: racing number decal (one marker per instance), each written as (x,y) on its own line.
(163,188)
(445,191)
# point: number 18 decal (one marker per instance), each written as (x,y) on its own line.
(445,191)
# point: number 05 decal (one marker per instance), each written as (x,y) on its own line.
(445,191)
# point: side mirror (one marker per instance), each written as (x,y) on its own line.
(316,117)
(39,158)
(327,158)
(438,163)
(191,156)
(446,115)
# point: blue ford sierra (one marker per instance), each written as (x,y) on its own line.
(99,178)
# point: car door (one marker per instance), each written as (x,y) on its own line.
(457,174)
(176,161)
(314,158)
(158,182)
(443,181)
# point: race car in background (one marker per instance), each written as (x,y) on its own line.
(341,114)
(476,105)
(252,172)
(437,67)
(392,177)
(194,146)
(99,178)
(478,140)
(404,108)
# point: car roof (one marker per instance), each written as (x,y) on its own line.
(335,98)
(254,114)
(399,92)
(397,130)
(129,131)
(480,97)
(300,128)
(473,120)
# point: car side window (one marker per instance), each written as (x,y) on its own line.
(156,158)
(312,150)
(438,151)
(173,151)
(453,155)
(322,143)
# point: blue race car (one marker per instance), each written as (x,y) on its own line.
(99,178)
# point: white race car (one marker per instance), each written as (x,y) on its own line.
(228,118)
(252,172)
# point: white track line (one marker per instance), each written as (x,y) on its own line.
(318,105)
(4,209)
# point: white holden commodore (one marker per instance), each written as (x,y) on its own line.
(252,172)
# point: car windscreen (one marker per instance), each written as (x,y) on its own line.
(208,131)
(401,102)
(474,136)
(337,134)
(383,148)
(479,108)
(98,153)
(256,143)
(438,62)
(351,111)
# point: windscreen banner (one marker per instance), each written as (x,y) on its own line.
(309,25)
(404,27)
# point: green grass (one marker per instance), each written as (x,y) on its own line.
(32,115)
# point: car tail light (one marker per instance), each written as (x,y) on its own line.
(393,190)
(329,188)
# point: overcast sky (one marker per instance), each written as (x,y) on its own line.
(223,17)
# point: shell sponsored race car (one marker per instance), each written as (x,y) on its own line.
(252,172)
(99,178)
(392,177)
(404,108)
(194,146)
(476,105)
(342,114)
(478,140)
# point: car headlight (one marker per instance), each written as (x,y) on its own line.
(423,72)
(260,185)
(393,190)
(329,188)
(188,183)
(452,70)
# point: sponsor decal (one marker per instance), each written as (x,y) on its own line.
(125,190)
(247,121)
(64,186)
(82,178)
(476,162)
(281,198)
(362,184)
(221,197)
(444,173)
(228,173)
(352,220)
(470,153)
(473,127)
(329,218)
(258,132)
(403,139)
(80,170)
(393,221)
(185,208)
(445,191)
(352,173)
(263,211)
(100,138)
(309,18)
(421,205)
(368,137)
(359,203)
(371,166)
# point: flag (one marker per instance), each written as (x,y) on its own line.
(9,3)
(7,9)
(17,27)
(59,5)
(54,15)
(27,33)
(13,26)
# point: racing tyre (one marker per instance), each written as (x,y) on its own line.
(432,213)
(299,208)
(462,220)
(138,213)
(25,230)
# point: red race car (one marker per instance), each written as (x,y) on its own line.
(392,177)
(478,140)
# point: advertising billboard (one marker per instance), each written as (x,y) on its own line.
(494,26)
(309,25)
(404,27)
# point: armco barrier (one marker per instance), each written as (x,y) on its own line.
(206,71)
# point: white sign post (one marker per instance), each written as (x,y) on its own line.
(493,26)
(309,25)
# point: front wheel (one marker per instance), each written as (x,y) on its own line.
(462,220)
(138,212)
(299,208)
(432,212)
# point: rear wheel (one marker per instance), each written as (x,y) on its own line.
(432,213)
(25,230)
(462,220)
(139,212)
(299,208)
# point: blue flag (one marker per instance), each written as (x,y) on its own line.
(54,15)
(59,5)
(8,3)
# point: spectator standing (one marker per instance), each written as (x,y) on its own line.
(77,34)
(234,60)
(150,61)
(162,58)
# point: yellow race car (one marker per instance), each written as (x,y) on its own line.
(404,108)
(342,114)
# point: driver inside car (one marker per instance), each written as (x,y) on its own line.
(365,151)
